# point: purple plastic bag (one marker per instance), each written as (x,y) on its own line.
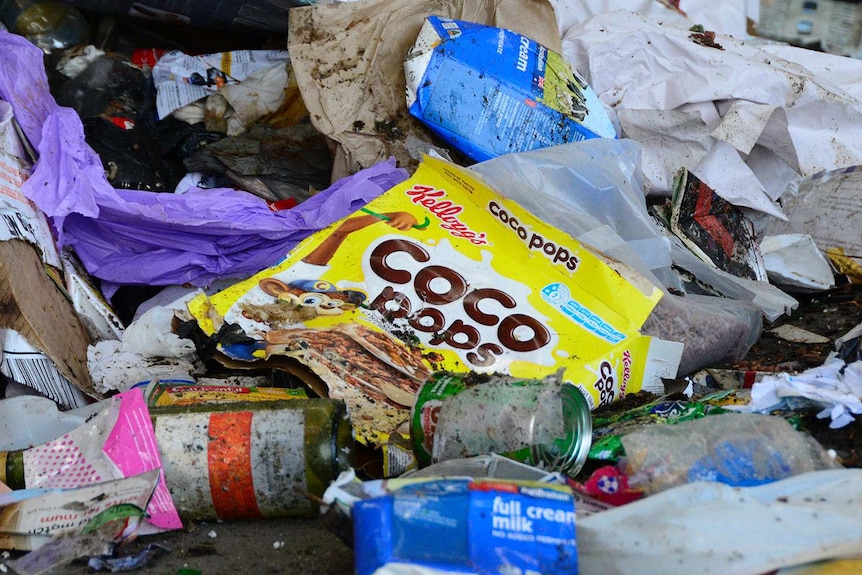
(144,238)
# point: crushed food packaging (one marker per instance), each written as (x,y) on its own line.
(441,273)
(490,91)
(464,526)
(31,518)
(119,441)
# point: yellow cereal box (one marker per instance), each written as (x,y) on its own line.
(441,272)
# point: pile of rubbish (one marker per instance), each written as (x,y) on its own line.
(480,274)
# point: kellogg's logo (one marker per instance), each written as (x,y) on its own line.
(446,211)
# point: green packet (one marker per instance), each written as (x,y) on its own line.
(608,430)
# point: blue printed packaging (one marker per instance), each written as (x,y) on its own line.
(490,91)
(469,526)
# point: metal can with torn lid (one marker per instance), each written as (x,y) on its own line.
(542,422)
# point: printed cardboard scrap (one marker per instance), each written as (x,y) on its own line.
(183,78)
(30,518)
(19,216)
(714,229)
(466,526)
(44,340)
(439,272)
(490,91)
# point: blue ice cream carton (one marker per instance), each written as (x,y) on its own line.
(468,526)
(490,91)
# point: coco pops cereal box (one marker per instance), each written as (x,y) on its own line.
(440,273)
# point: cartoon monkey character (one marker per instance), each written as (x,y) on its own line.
(401,221)
(321,295)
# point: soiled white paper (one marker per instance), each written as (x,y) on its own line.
(835,386)
(732,99)
(794,260)
(828,207)
(181,79)
(732,18)
(734,531)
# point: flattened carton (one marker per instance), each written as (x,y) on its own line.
(440,273)
(464,526)
(490,91)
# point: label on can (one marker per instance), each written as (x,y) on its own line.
(253,460)
(426,410)
(539,422)
(161,394)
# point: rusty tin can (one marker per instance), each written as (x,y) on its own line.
(542,422)
(252,460)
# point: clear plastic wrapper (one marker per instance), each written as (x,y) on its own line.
(735,449)
(714,330)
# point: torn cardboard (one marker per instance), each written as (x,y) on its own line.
(349,64)
(714,229)
(34,307)
(99,319)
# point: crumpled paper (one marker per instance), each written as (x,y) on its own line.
(742,119)
(835,386)
(115,369)
(257,88)
(731,19)
(794,260)
(349,64)
(135,237)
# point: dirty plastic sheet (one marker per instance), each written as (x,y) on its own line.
(737,100)
(772,301)
(135,237)
(711,527)
(591,190)
(714,330)
(203,235)
(835,386)
(739,449)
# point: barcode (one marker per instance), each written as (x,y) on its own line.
(40,374)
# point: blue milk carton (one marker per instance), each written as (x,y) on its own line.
(460,525)
(490,91)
